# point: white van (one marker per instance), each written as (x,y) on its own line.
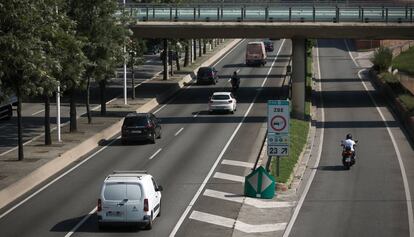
(129,197)
(255,53)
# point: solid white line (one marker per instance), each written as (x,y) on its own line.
(397,150)
(187,210)
(156,153)
(237,163)
(38,112)
(56,179)
(238,225)
(178,132)
(258,203)
(318,157)
(231,177)
(72,231)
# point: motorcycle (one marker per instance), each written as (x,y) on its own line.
(348,156)
(235,85)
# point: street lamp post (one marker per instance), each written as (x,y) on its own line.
(125,73)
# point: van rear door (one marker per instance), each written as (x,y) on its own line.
(135,204)
(113,205)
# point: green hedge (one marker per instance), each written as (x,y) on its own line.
(405,61)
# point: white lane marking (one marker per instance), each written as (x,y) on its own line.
(397,150)
(196,114)
(238,225)
(72,231)
(56,179)
(237,163)
(188,87)
(231,177)
(178,132)
(318,157)
(258,203)
(156,153)
(197,194)
(38,112)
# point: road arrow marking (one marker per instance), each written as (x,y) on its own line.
(258,203)
(236,224)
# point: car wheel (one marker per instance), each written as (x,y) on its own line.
(124,141)
(159,211)
(101,226)
(159,135)
(153,138)
(149,225)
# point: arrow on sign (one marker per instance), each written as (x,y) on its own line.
(284,150)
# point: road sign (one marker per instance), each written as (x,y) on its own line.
(278,116)
(277,150)
(259,184)
(278,139)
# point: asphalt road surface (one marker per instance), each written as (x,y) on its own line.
(370,199)
(193,145)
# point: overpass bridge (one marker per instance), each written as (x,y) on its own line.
(297,21)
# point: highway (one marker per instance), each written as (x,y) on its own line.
(371,198)
(197,151)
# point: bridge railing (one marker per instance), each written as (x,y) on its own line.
(271,13)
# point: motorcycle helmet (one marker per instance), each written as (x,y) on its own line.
(348,136)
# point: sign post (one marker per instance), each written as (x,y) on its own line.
(278,117)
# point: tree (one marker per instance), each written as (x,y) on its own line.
(382,58)
(23,59)
(97,23)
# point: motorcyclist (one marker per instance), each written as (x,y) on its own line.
(235,80)
(348,142)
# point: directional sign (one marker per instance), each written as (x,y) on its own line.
(277,139)
(277,150)
(259,184)
(278,116)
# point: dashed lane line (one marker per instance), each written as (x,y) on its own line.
(178,132)
(238,225)
(155,154)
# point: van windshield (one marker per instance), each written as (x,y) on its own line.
(115,191)
(133,192)
(254,48)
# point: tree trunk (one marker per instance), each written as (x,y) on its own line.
(88,92)
(187,55)
(200,50)
(73,127)
(177,59)
(195,49)
(165,61)
(102,87)
(48,138)
(204,46)
(19,126)
(132,82)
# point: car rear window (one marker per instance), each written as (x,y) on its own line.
(220,97)
(133,192)
(204,71)
(115,191)
(136,121)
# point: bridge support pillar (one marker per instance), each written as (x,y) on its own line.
(298,77)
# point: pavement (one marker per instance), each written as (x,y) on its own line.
(45,162)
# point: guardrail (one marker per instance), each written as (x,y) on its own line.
(271,13)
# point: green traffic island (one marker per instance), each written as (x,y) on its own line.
(299,130)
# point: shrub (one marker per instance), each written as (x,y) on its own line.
(408,101)
(382,58)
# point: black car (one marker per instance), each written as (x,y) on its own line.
(139,127)
(268,45)
(207,75)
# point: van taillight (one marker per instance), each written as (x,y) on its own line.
(99,205)
(149,125)
(146,207)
